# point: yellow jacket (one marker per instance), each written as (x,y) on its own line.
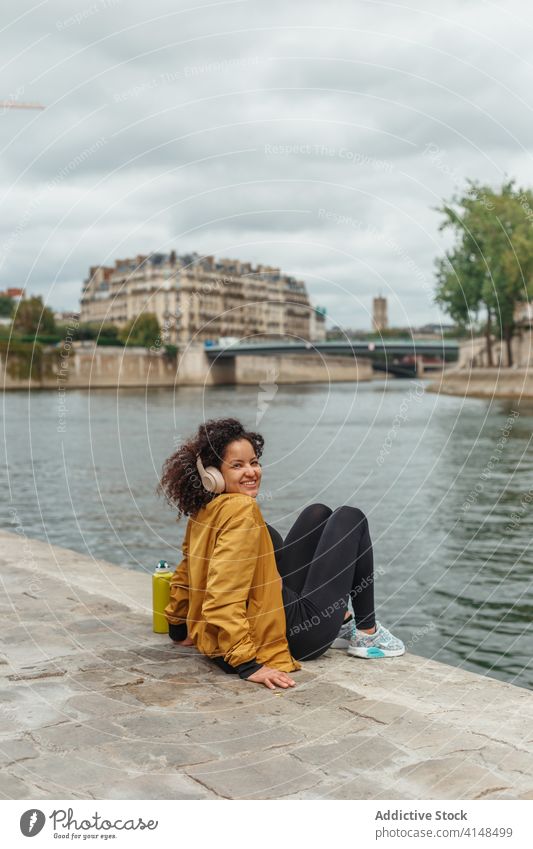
(227,588)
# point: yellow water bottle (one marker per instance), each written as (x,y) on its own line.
(161,596)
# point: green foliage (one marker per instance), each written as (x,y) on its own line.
(6,306)
(109,341)
(93,331)
(143,331)
(43,339)
(31,316)
(109,331)
(457,332)
(171,351)
(105,334)
(490,266)
(389,333)
(83,332)
(24,360)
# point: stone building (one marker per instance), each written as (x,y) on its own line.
(380,319)
(201,298)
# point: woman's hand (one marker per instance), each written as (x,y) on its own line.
(271,678)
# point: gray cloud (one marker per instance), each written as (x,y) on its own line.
(229,128)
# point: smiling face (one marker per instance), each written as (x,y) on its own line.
(240,468)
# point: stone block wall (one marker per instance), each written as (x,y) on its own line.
(100,367)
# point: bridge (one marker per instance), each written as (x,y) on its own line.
(402,357)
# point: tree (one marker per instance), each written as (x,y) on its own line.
(143,330)
(107,330)
(490,267)
(6,306)
(31,316)
(89,330)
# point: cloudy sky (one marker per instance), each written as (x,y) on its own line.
(315,136)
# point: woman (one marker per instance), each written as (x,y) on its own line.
(251,602)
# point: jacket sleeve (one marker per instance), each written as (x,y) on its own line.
(178,607)
(229,580)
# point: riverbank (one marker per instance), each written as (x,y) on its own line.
(82,366)
(485,383)
(97,706)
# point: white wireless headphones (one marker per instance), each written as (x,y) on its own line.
(212,478)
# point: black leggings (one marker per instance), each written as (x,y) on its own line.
(325,559)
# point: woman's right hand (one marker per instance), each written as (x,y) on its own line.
(271,678)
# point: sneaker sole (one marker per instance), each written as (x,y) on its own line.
(375,652)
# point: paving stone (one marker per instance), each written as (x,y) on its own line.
(122,658)
(151,724)
(50,644)
(67,771)
(154,787)
(506,761)
(188,669)
(150,756)
(17,750)
(28,609)
(317,724)
(162,654)
(9,723)
(318,693)
(364,787)
(82,661)
(437,738)
(104,608)
(12,787)
(97,642)
(160,693)
(252,777)
(331,755)
(88,626)
(397,679)
(377,711)
(508,732)
(42,703)
(350,755)
(278,704)
(451,778)
(441,739)
(231,739)
(102,704)
(485,695)
(74,735)
(373,754)
(104,678)
(38,673)
(431,735)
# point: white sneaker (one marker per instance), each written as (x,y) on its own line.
(380,644)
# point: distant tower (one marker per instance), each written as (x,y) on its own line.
(380,319)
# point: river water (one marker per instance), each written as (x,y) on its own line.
(446,483)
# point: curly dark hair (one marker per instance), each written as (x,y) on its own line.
(180,482)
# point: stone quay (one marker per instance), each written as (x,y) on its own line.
(97,706)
